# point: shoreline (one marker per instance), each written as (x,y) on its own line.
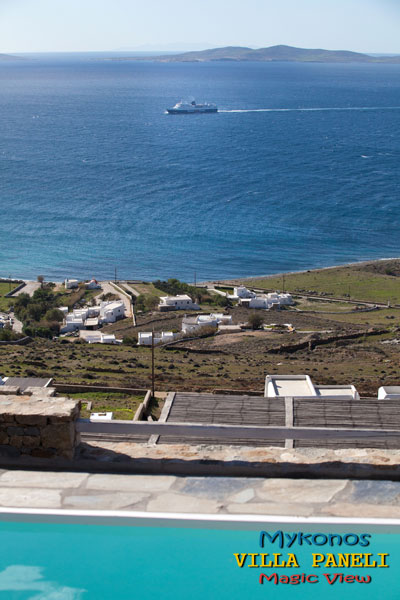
(231,280)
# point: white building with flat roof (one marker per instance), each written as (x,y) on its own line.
(301,386)
(193,324)
(391,392)
(92,316)
(97,337)
(160,337)
(241,292)
(180,302)
(70,284)
(93,284)
(72,323)
(267,301)
(111,311)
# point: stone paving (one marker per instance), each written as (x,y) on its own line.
(207,495)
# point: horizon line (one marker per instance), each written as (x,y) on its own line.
(142,50)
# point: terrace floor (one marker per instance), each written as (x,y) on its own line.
(206,495)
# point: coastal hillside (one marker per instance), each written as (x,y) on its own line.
(276,53)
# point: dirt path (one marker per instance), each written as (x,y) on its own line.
(234,338)
(107,288)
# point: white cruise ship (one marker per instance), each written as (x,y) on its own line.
(192,108)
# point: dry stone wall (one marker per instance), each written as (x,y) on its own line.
(37,423)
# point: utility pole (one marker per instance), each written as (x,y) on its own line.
(115,274)
(283,283)
(152,363)
(195,280)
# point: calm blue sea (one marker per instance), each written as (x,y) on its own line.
(95,176)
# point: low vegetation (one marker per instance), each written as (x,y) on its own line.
(5,287)
(256,319)
(123,406)
(370,282)
(146,302)
(7,335)
(239,361)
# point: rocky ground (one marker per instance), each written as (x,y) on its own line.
(231,361)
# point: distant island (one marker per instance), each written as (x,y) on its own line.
(9,57)
(271,54)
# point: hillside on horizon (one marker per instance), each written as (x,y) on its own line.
(9,57)
(276,53)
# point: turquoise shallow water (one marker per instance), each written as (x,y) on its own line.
(71,562)
(94,175)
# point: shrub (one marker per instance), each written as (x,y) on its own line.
(7,335)
(130,340)
(21,301)
(44,332)
(54,314)
(256,320)
(109,297)
(146,302)
(173,287)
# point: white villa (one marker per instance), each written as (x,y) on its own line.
(97,337)
(192,324)
(70,284)
(112,311)
(92,316)
(250,299)
(160,337)
(180,302)
(93,284)
(241,292)
(267,301)
(301,386)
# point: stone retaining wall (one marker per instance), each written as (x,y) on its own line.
(37,424)
(311,344)
(15,290)
(76,388)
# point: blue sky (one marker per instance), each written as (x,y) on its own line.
(99,25)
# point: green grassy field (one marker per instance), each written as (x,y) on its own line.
(323,306)
(4,289)
(147,288)
(123,406)
(355,282)
(385,317)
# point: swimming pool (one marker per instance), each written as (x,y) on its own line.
(59,555)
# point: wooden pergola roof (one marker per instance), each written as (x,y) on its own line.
(367,413)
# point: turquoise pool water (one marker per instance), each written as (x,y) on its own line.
(47,561)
